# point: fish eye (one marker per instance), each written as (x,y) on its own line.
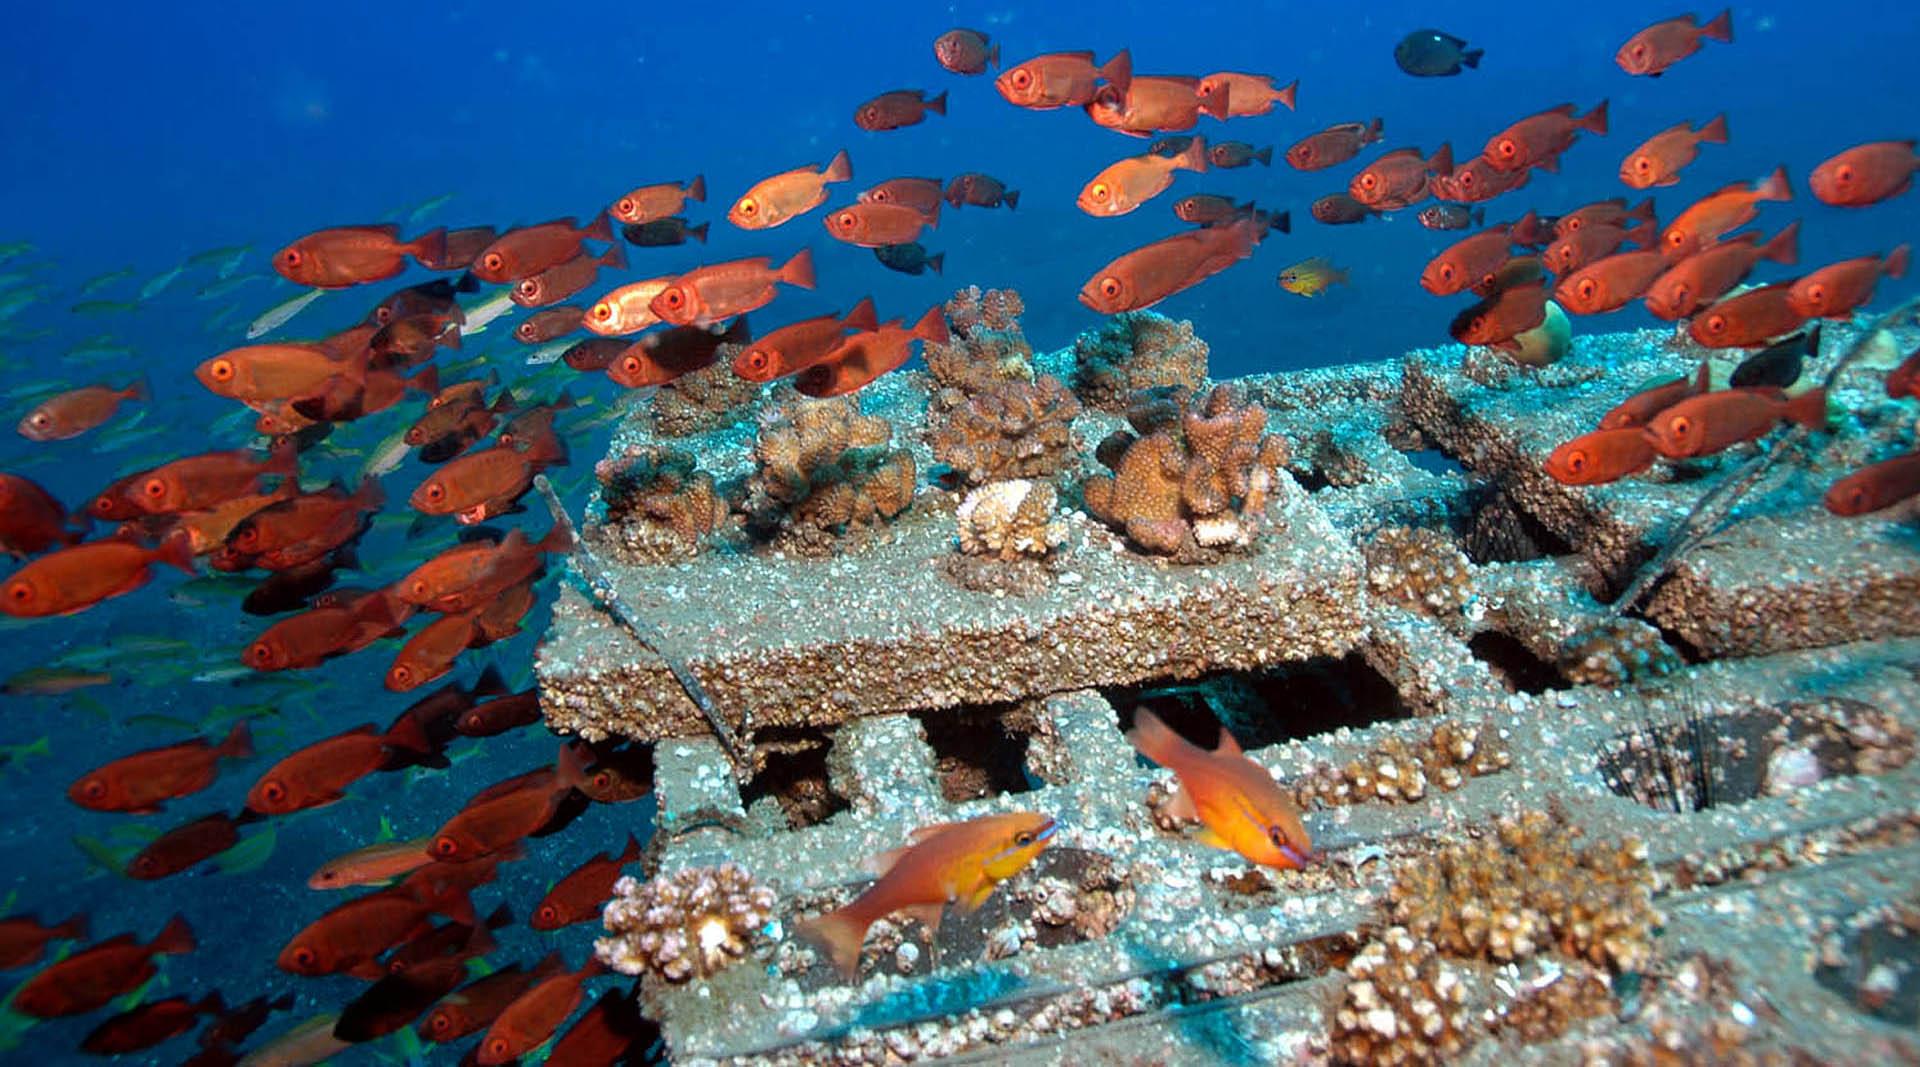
(1276,837)
(603,312)
(1716,323)
(624,207)
(1110,287)
(401,674)
(220,369)
(1099,190)
(1465,178)
(1446,272)
(1577,460)
(529,287)
(674,298)
(757,360)
(1368,181)
(436,492)
(445,847)
(40,418)
(154,487)
(1587,288)
(630,364)
(497,1048)
(493,261)
(547,914)
(1507,148)
(1023,838)
(1022,79)
(273,791)
(1642,164)
(1843,173)
(1817,295)
(872,114)
(94,789)
(1680,425)
(1857,499)
(291,257)
(303,957)
(418,588)
(748,206)
(1639,50)
(441,1021)
(844,220)
(603,780)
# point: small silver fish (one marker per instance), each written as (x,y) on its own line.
(276,316)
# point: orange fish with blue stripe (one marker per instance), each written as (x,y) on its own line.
(1235,799)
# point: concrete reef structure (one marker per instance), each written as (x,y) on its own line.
(1545,832)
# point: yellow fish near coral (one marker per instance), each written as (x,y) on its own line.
(945,863)
(1234,798)
(1311,277)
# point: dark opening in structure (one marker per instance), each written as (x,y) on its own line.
(1515,664)
(792,769)
(1262,708)
(976,752)
(1434,461)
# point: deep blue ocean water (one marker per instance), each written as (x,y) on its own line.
(137,136)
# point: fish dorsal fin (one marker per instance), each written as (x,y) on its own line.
(1228,746)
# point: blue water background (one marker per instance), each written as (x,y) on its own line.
(137,135)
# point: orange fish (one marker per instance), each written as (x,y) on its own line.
(1865,174)
(1612,212)
(562,280)
(921,194)
(864,357)
(981,190)
(1721,212)
(210,479)
(1249,94)
(1153,272)
(149,1024)
(499,821)
(1538,140)
(505,713)
(90,978)
(432,650)
(23,940)
(485,483)
(1062,79)
(31,520)
(948,863)
(1334,145)
(788,195)
(964,51)
(1601,457)
(349,938)
(372,865)
(607,1033)
(1712,272)
(626,310)
(1835,290)
(320,773)
(1637,409)
(620,777)
(462,248)
(75,579)
(1533,231)
(658,358)
(715,293)
(1592,242)
(468,575)
(528,250)
(901,107)
(545,325)
(1133,181)
(187,846)
(651,203)
(411,340)
(1510,310)
(272,372)
(1399,178)
(1154,103)
(1205,209)
(879,225)
(1234,797)
(1475,181)
(797,346)
(350,255)
(436,297)
(76,411)
(1664,155)
(1714,422)
(1469,263)
(140,783)
(1877,487)
(1904,380)
(595,353)
(319,634)
(534,1015)
(480,1002)
(303,528)
(1750,318)
(1609,283)
(1661,45)
(579,896)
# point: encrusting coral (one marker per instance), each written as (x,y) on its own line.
(1420,569)
(1011,428)
(985,345)
(703,400)
(824,469)
(1615,652)
(660,505)
(1396,772)
(1183,493)
(1133,352)
(688,924)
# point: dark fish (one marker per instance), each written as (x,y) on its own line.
(1170,145)
(663,233)
(1434,54)
(909,258)
(1339,209)
(1780,364)
(1451,216)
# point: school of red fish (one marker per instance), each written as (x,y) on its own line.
(245,511)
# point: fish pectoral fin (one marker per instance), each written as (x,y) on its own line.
(1212,839)
(1181,806)
(972,901)
(929,916)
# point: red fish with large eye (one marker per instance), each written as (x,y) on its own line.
(1151,104)
(31,520)
(1062,79)
(1637,409)
(142,782)
(1866,174)
(660,357)
(90,978)
(320,773)
(187,846)
(1609,283)
(797,346)
(1592,242)
(1601,457)
(879,225)
(489,480)
(1339,209)
(965,51)
(1249,94)
(1399,178)
(651,203)
(1475,181)
(1469,263)
(350,255)
(76,411)
(1661,45)
(534,1015)
(1877,487)
(1334,145)
(150,1024)
(921,194)
(864,357)
(713,294)
(1612,212)
(1714,422)
(469,574)
(481,1001)
(1128,183)
(75,579)
(527,251)
(1663,156)
(350,938)
(1711,273)
(579,896)
(1745,319)
(1497,319)
(783,197)
(1538,140)
(562,280)
(1720,212)
(197,483)
(1155,271)
(497,820)
(1837,289)
(901,107)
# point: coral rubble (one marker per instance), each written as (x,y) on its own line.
(1395,772)
(685,925)
(824,470)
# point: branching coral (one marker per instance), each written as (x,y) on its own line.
(1402,1004)
(689,924)
(1396,772)
(1136,351)
(706,399)
(985,345)
(1419,569)
(1009,428)
(1203,487)
(660,505)
(824,469)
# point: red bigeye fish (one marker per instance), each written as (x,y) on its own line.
(1538,140)
(31,520)
(75,579)
(1249,94)
(651,203)
(579,896)
(187,846)
(1661,45)
(980,190)
(712,294)
(545,325)
(1835,290)
(468,575)
(1339,209)
(1133,181)
(1745,319)
(786,196)
(965,51)
(1232,154)
(797,346)
(23,940)
(1153,272)
(1589,243)
(320,773)
(490,479)
(626,310)
(480,1002)
(1712,272)
(948,863)
(1660,160)
(1399,178)
(1475,181)
(879,225)
(1608,284)
(1877,487)
(494,822)
(350,255)
(319,634)
(660,357)
(921,194)
(1469,263)
(1240,807)
(1601,457)
(1714,422)
(273,372)
(498,716)
(1721,212)
(90,978)
(529,250)
(864,357)
(150,1024)
(1644,405)
(562,280)
(1866,174)
(534,1015)
(1205,209)
(1152,104)
(901,107)
(1612,212)
(140,783)
(1333,145)
(323,520)
(1904,380)
(204,481)
(76,411)
(349,938)
(431,651)
(1510,310)
(1062,79)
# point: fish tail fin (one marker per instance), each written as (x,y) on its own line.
(282,458)
(601,228)
(839,169)
(238,744)
(137,389)
(1715,131)
(491,682)
(616,256)
(1265,156)
(938,104)
(1156,740)
(177,550)
(1895,264)
(993,56)
(1216,104)
(75,928)
(1642,211)
(799,270)
(863,316)
(427,381)
(430,248)
(631,853)
(451,336)
(1012,198)
(1471,57)
(1645,234)
(1374,131)
(1594,121)
(696,189)
(407,734)
(1809,409)
(570,767)
(839,935)
(936,261)
(699,233)
(932,327)
(1194,158)
(1720,28)
(1289,94)
(1339,275)
(933,217)
(176,939)
(1783,247)
(1776,186)
(1118,71)
(1478,216)
(1442,161)
(558,539)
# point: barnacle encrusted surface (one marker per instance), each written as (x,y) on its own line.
(824,470)
(1616,651)
(1402,1004)
(1420,569)
(1006,428)
(1188,491)
(660,505)
(1136,351)
(688,924)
